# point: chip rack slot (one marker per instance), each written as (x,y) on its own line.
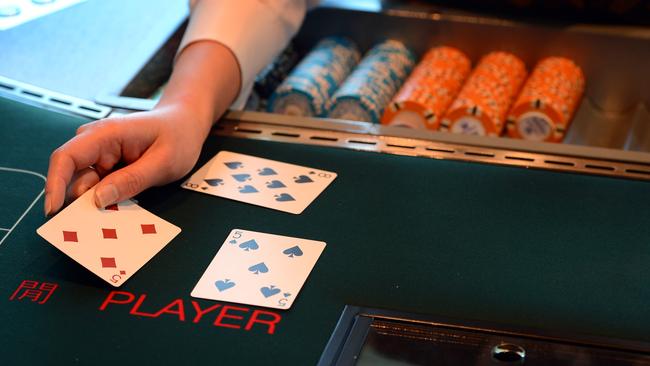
(350,136)
(248,130)
(323,138)
(31,94)
(60,101)
(520,158)
(637,171)
(410,147)
(286,134)
(362,142)
(479,154)
(557,162)
(599,167)
(50,99)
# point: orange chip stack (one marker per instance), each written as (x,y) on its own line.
(484,100)
(429,90)
(548,101)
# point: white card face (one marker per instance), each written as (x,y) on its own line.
(259,269)
(268,183)
(16,12)
(114,242)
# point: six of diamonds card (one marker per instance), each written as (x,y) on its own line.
(113,242)
(281,186)
(259,269)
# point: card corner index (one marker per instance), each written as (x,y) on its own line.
(232,232)
(116,285)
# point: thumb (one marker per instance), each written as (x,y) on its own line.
(129,181)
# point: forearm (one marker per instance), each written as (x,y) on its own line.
(205,80)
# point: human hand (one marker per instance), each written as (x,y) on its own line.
(156,148)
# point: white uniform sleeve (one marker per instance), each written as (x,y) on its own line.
(254,30)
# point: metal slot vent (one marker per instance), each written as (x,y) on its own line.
(430,149)
(25,92)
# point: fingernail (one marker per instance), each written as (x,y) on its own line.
(105,195)
(48,206)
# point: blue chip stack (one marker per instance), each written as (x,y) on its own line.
(308,88)
(270,78)
(366,92)
(274,73)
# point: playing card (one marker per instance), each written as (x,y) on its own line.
(114,242)
(268,183)
(259,269)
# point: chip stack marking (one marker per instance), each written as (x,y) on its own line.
(484,100)
(308,88)
(548,101)
(365,93)
(429,90)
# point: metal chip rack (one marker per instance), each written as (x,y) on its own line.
(615,111)
(610,134)
(437,145)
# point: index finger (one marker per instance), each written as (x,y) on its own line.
(79,153)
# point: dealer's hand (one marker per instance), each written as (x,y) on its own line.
(157,147)
(151,148)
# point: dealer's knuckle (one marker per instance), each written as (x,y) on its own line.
(58,154)
(132,182)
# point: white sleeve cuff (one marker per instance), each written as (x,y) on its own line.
(255,31)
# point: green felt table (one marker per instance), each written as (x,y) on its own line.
(540,249)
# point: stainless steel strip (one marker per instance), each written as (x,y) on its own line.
(365,141)
(374,138)
(14,89)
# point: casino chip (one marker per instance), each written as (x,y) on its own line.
(483,102)
(274,73)
(428,92)
(372,84)
(550,97)
(254,102)
(270,78)
(308,88)
(9,11)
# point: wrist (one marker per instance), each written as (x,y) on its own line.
(205,81)
(195,111)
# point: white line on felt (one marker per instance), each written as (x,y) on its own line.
(22,217)
(23,171)
(3,229)
(30,206)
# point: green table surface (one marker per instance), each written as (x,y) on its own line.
(540,249)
